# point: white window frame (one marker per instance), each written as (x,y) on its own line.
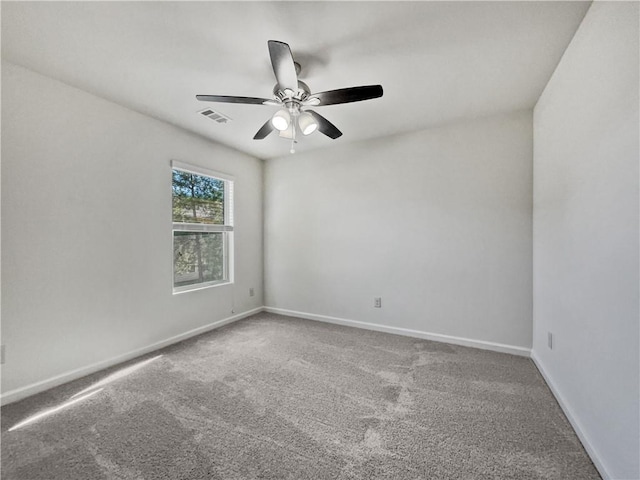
(226,229)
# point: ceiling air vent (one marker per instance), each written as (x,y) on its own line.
(215,116)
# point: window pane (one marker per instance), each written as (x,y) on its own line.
(197,257)
(197,198)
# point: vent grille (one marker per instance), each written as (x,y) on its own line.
(215,116)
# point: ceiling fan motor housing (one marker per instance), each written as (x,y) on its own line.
(286,95)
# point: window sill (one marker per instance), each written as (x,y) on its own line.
(199,286)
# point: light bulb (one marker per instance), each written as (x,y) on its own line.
(280,120)
(308,124)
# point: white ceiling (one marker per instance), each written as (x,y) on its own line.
(437,61)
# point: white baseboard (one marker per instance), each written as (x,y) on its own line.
(465,342)
(23,392)
(573,419)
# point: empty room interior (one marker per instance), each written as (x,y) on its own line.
(320,240)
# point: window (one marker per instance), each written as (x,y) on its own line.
(202,228)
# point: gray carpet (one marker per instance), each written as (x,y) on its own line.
(272,397)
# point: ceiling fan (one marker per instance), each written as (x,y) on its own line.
(294,97)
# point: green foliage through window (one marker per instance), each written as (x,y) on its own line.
(197,199)
(198,258)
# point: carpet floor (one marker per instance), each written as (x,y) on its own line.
(271,397)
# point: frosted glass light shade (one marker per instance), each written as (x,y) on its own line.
(307,123)
(281,120)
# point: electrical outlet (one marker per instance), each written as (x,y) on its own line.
(1,354)
(377,302)
(251,292)
(550,340)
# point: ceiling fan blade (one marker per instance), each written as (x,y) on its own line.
(232,99)
(346,95)
(325,126)
(283,66)
(265,130)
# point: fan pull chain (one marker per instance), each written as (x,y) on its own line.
(293,138)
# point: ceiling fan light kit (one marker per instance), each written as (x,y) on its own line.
(294,97)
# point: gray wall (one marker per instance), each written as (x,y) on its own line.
(86,231)
(437,223)
(586,235)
